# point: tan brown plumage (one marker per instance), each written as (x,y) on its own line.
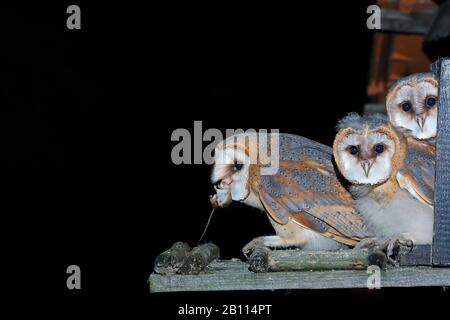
(398,158)
(304,198)
(412,104)
(418,173)
(412,107)
(386,175)
(323,209)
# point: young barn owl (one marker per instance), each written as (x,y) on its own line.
(306,204)
(371,155)
(412,104)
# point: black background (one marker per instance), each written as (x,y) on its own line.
(86,124)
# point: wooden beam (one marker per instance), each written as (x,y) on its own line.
(396,21)
(234,275)
(295,260)
(265,260)
(441,239)
(420,255)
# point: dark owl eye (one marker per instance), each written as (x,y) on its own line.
(406,106)
(354,149)
(238,166)
(379,148)
(430,101)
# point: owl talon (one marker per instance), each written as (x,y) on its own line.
(378,258)
(377,251)
(399,246)
(370,244)
(393,247)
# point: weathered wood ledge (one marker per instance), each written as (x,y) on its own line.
(233,275)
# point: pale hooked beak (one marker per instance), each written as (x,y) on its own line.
(421,121)
(366,165)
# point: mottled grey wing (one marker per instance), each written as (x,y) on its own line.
(307,191)
(418,174)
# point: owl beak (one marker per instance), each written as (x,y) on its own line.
(366,165)
(421,121)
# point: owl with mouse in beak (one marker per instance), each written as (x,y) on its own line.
(370,153)
(304,200)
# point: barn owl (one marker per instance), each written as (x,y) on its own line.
(306,204)
(412,104)
(371,155)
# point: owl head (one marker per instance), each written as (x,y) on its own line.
(412,104)
(231,172)
(367,149)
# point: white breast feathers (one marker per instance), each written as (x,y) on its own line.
(400,215)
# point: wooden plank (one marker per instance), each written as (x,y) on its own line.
(234,275)
(294,260)
(265,260)
(413,23)
(420,255)
(441,239)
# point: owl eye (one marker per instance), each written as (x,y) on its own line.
(353,150)
(238,166)
(430,101)
(406,106)
(379,148)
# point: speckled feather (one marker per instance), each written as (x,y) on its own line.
(418,172)
(413,78)
(420,118)
(355,121)
(389,210)
(306,190)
